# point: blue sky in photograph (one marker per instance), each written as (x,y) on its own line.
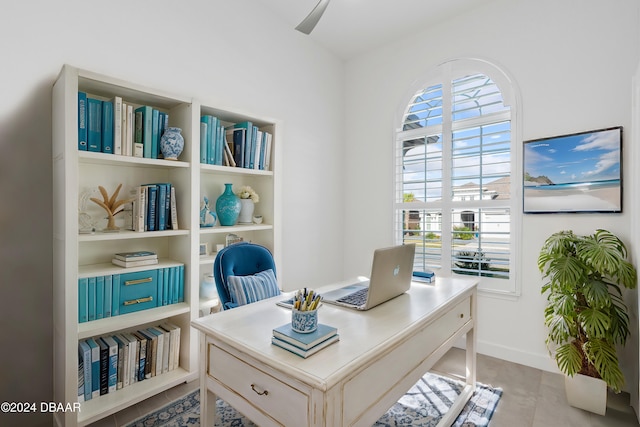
(586,157)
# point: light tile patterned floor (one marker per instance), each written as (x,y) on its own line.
(531,398)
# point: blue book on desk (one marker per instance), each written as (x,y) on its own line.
(304,341)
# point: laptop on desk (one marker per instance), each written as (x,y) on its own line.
(391,272)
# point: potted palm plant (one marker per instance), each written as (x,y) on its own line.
(585,311)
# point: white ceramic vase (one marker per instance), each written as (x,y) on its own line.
(246,211)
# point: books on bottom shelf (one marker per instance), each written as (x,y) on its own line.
(304,345)
(110,363)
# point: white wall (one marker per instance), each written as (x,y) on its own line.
(572,63)
(232,54)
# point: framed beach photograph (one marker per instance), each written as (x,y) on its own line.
(580,172)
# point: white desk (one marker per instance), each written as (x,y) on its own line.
(381,354)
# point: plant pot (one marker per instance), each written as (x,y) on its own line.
(246,211)
(586,393)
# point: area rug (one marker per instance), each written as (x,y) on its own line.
(422,406)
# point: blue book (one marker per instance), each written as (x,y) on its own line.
(304,341)
(181,283)
(155,133)
(115,295)
(239,138)
(220,141)
(160,285)
(99,297)
(108,290)
(252,152)
(142,355)
(95,367)
(82,121)
(170,285)
(113,363)
(107,127)
(94,124)
(165,292)
(146,127)
(246,148)
(91,299)
(161,212)
(86,362)
(83,295)
(263,148)
(152,198)
(203,142)
(123,358)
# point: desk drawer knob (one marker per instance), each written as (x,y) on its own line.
(261,393)
(462,315)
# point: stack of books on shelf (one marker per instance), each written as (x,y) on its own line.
(427,276)
(304,345)
(240,145)
(154,207)
(135,259)
(115,127)
(113,362)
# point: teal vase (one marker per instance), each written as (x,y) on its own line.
(228,206)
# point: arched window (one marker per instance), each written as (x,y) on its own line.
(455,158)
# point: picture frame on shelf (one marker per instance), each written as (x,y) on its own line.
(574,173)
(204,249)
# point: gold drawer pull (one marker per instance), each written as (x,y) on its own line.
(261,393)
(138,300)
(138,281)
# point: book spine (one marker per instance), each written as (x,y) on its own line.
(91,298)
(113,363)
(83,285)
(161,212)
(115,295)
(165,290)
(130,129)
(120,367)
(95,367)
(267,153)
(203,141)
(107,127)
(108,291)
(181,283)
(82,121)
(167,206)
(94,124)
(155,133)
(151,207)
(86,361)
(174,209)
(104,367)
(117,125)
(160,286)
(99,297)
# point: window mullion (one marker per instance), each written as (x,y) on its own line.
(447,190)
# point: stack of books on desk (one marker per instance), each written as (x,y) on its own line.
(427,276)
(304,345)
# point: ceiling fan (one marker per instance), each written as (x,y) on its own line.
(308,24)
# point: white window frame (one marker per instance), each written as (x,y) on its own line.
(444,74)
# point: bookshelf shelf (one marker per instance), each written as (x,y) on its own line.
(76,177)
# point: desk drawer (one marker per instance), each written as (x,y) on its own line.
(138,291)
(280,401)
(379,377)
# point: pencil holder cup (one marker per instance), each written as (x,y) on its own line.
(304,322)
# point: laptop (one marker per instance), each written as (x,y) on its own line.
(391,273)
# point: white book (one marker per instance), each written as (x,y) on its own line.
(267,153)
(256,157)
(174,209)
(123,129)
(174,346)
(134,357)
(159,352)
(123,372)
(117,125)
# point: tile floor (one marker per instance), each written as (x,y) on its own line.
(531,397)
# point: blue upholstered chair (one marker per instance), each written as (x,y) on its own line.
(244,273)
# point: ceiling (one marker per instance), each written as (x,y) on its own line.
(352,27)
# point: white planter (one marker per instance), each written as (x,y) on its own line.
(246,211)
(586,393)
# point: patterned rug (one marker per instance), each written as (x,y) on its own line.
(422,406)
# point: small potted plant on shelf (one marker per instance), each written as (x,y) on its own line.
(585,311)
(248,198)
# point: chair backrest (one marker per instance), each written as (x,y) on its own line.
(239,259)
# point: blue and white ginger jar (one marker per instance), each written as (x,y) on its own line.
(171,143)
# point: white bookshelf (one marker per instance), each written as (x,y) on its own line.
(84,255)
